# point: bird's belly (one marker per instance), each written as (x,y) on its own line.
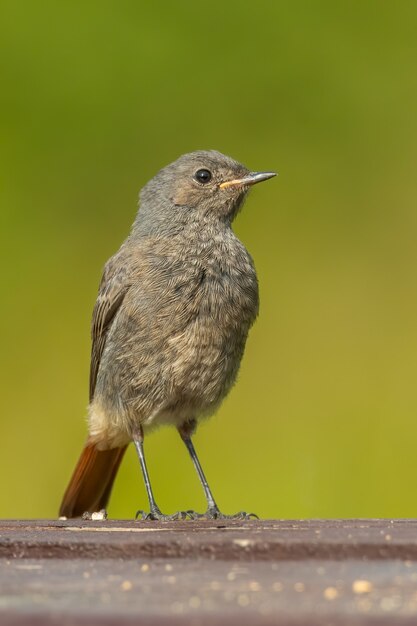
(205,361)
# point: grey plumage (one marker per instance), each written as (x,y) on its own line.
(175,304)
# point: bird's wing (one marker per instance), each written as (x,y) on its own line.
(113,288)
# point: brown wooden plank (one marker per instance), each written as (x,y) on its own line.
(250,540)
(327,572)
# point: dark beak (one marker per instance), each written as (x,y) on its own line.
(250,179)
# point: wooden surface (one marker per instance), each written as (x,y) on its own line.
(200,572)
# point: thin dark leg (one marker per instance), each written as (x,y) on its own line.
(213,511)
(155,512)
(212,507)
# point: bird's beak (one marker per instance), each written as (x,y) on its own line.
(250,179)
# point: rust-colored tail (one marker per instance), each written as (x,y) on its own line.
(91,483)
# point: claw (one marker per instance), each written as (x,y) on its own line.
(215,513)
(194,515)
(158,516)
(142,515)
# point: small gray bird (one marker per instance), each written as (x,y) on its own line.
(170,323)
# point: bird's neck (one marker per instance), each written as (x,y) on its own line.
(180,223)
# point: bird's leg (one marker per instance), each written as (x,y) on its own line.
(185,432)
(213,511)
(155,512)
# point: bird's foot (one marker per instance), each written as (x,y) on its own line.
(214,513)
(156,515)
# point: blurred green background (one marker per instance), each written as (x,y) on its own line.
(95,98)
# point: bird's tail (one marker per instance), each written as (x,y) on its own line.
(91,483)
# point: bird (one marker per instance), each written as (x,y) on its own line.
(169,326)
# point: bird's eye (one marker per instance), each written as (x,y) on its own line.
(203,176)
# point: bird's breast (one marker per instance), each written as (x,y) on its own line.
(222,303)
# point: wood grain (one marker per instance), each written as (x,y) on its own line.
(255,572)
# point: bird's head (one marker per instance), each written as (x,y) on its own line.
(199,184)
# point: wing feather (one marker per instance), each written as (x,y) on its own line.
(113,288)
